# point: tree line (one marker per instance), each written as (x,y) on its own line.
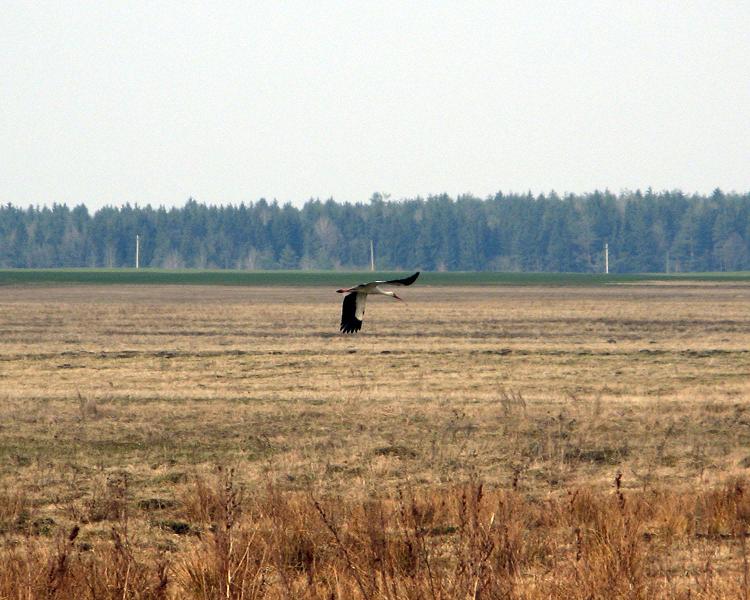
(645,231)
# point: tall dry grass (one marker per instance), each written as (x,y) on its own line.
(459,541)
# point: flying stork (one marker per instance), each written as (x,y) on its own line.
(353,310)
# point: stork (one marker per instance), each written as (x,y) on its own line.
(353,310)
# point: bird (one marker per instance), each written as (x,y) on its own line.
(353,309)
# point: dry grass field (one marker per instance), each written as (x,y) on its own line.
(488,442)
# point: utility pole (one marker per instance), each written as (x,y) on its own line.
(606,258)
(137,251)
(372,256)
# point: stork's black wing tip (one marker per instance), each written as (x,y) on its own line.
(406,281)
(351,326)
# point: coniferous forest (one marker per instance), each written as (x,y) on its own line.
(646,232)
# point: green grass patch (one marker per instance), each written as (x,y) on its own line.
(333,278)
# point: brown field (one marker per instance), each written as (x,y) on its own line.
(494,442)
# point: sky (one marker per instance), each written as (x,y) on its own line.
(153,102)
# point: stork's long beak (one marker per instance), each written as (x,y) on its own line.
(398,298)
(343,291)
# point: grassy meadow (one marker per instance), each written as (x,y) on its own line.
(488,438)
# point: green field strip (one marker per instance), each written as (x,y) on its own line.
(337,278)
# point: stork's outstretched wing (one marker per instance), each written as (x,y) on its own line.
(406,281)
(352,312)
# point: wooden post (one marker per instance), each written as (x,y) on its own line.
(137,251)
(372,256)
(606,258)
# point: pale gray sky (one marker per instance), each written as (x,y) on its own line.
(156,101)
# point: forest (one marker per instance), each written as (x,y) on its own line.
(647,231)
